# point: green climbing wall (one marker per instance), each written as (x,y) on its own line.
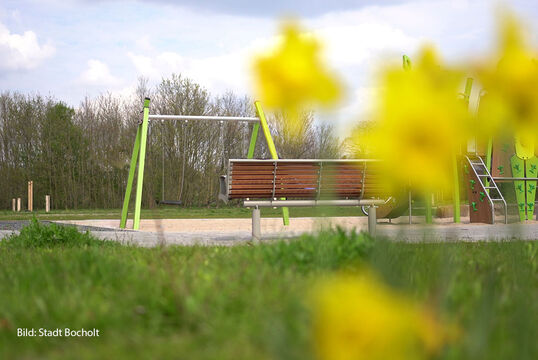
(518,170)
(531,172)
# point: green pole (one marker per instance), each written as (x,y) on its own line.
(468,88)
(265,129)
(134,159)
(272,151)
(456,193)
(253,138)
(140,177)
(406,62)
(429,209)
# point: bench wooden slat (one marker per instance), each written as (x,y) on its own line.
(303,179)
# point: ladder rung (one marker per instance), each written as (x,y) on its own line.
(490,187)
(484,175)
(496,199)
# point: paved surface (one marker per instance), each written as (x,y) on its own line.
(236,231)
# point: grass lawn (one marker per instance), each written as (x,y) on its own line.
(248,302)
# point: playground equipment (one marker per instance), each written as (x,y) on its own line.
(303,182)
(139,152)
(515,161)
(507,159)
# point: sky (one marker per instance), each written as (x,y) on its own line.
(75,48)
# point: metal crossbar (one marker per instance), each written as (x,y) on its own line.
(196,117)
(307,160)
(515,179)
(310,203)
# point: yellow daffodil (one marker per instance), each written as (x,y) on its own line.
(293,76)
(510,82)
(419,125)
(357,317)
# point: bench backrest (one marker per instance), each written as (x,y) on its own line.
(303,179)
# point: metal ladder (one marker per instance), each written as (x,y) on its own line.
(486,181)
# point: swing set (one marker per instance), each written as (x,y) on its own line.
(139,152)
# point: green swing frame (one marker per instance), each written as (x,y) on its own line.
(139,154)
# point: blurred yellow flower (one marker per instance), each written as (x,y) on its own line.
(511,101)
(419,125)
(356,317)
(292,76)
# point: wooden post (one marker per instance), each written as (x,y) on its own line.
(14,204)
(19,204)
(30,196)
(47,203)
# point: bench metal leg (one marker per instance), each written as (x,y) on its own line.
(256,228)
(372,220)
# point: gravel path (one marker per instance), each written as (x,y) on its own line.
(237,231)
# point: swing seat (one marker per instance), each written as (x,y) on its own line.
(170,202)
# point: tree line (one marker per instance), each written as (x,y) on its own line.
(80,156)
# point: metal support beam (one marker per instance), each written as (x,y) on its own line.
(311,203)
(372,220)
(410,208)
(272,151)
(253,138)
(456,190)
(196,117)
(130,179)
(256,224)
(140,177)
(428,205)
(339,161)
(500,179)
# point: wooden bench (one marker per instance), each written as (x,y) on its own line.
(299,182)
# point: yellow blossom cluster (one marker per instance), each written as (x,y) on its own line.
(293,77)
(357,317)
(419,124)
(510,81)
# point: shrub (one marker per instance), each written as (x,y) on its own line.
(39,235)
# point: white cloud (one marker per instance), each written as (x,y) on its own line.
(218,73)
(144,43)
(98,73)
(22,52)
